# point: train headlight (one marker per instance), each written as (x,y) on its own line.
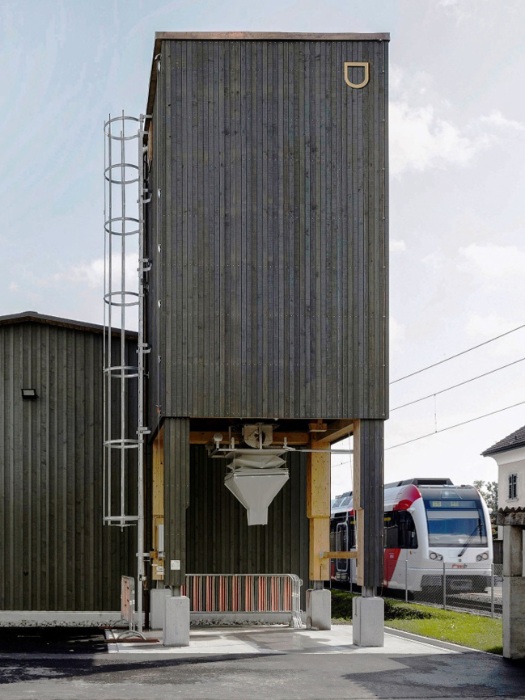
(482,557)
(435,556)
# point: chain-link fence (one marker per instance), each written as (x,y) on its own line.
(455,589)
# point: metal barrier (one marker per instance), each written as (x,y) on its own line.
(254,597)
(127,607)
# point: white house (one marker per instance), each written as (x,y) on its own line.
(509,455)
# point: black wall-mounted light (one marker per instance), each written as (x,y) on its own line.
(29,394)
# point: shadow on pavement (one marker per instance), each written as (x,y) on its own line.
(52,640)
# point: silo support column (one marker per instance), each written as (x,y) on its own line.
(368,610)
(318,609)
(176,502)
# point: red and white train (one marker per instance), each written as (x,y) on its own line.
(432,528)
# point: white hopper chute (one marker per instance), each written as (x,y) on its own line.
(255,478)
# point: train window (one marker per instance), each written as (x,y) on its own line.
(456,527)
(400,530)
(342,534)
(391,530)
(407,530)
(351,533)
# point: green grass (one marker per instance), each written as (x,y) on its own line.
(474,631)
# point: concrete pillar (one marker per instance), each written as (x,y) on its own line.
(157,601)
(368,612)
(318,609)
(513,592)
(368,621)
(177,621)
(513,550)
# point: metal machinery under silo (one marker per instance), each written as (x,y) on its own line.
(263,274)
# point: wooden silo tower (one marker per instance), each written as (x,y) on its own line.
(267,295)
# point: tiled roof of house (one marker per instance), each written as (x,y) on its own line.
(511,442)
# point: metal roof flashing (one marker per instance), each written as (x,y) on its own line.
(35,317)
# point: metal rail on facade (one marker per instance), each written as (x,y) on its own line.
(124,199)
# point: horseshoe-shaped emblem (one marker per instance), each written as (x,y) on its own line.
(357,64)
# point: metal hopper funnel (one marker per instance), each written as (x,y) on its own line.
(256,477)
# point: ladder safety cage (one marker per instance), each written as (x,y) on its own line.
(125,269)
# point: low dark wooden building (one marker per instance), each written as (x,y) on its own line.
(55,553)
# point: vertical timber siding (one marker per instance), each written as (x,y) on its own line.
(268,230)
(55,553)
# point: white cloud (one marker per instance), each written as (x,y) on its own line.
(491,260)
(397,332)
(420,140)
(397,246)
(488,326)
(456,9)
(92,273)
(435,260)
(509,347)
(496,118)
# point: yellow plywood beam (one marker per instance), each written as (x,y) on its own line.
(339,555)
(336,430)
(318,512)
(157,504)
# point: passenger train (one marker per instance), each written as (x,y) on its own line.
(429,525)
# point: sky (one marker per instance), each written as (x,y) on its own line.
(457,160)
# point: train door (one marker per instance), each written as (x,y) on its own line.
(341,545)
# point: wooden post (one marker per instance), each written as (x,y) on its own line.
(368,501)
(157,506)
(318,511)
(176,499)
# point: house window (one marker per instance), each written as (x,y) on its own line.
(513,486)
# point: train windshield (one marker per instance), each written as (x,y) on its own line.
(455,522)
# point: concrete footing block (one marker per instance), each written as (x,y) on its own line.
(318,609)
(177,621)
(157,607)
(368,621)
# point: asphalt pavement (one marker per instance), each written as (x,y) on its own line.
(250,662)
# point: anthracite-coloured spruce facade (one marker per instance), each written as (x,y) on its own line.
(267,228)
(55,552)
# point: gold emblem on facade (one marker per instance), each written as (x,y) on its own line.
(357,64)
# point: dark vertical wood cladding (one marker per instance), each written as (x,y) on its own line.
(55,553)
(370,452)
(268,230)
(218,537)
(176,497)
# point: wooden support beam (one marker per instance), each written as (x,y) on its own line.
(339,555)
(336,430)
(176,499)
(368,501)
(157,506)
(318,512)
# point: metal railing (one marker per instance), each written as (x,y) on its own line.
(260,597)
